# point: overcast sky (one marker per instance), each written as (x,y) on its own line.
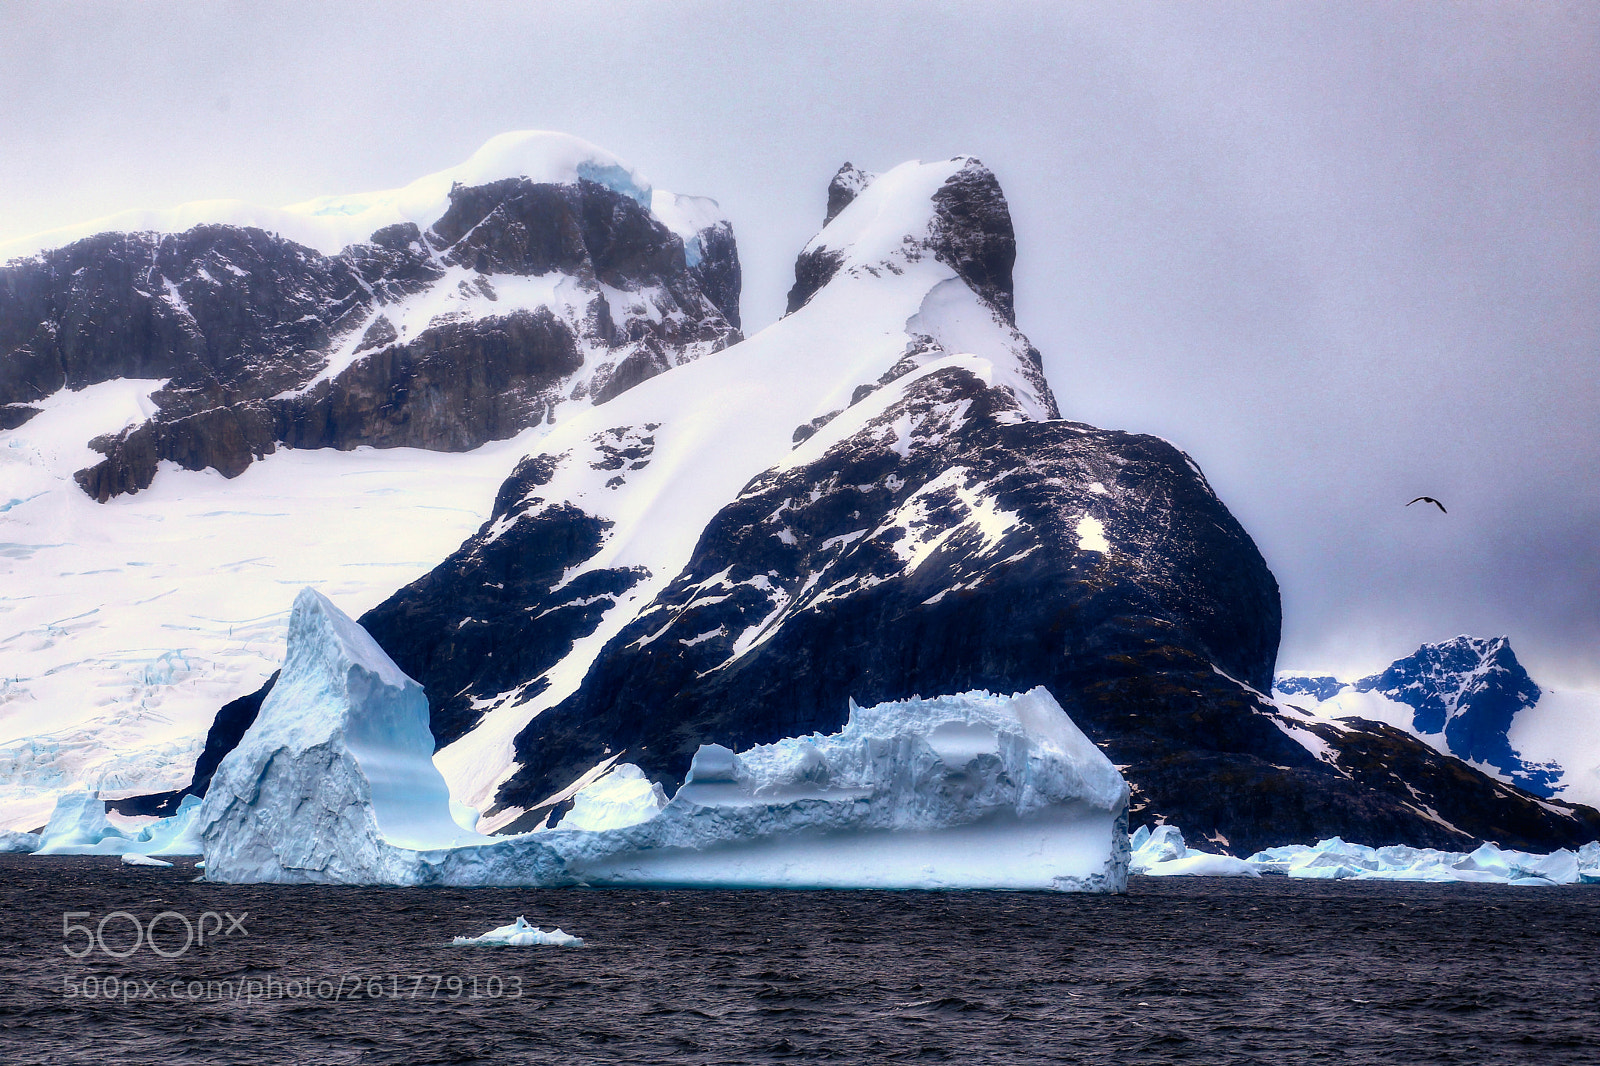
(1342,254)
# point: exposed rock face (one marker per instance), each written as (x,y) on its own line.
(521,297)
(844,188)
(1390,777)
(936,549)
(497,616)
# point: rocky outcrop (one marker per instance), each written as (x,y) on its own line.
(520,298)
(947,554)
(497,615)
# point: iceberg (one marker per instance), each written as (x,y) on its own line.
(335,783)
(967,791)
(620,798)
(12,841)
(519,934)
(79,826)
(133,858)
(1161,852)
(1203,864)
(1164,843)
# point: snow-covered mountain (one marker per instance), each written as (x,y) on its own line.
(258,410)
(554,284)
(1470,697)
(873,498)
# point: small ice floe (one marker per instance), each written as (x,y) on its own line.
(519,934)
(1161,852)
(133,858)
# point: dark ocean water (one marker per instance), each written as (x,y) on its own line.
(1181,970)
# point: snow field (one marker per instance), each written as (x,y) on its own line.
(124,626)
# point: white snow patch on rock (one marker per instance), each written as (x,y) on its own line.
(1092,535)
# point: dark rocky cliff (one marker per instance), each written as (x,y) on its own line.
(267,343)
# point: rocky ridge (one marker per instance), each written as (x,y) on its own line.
(521,297)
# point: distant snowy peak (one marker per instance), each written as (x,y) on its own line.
(1463,694)
(462,309)
(1462,679)
(1317,688)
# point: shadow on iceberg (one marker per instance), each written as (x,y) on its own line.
(335,783)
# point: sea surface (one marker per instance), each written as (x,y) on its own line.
(1179,970)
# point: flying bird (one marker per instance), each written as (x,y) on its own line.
(1428,499)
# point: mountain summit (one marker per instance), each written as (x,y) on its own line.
(1470,697)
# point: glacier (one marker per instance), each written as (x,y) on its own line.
(335,783)
(117,658)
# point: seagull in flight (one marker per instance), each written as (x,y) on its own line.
(1428,499)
